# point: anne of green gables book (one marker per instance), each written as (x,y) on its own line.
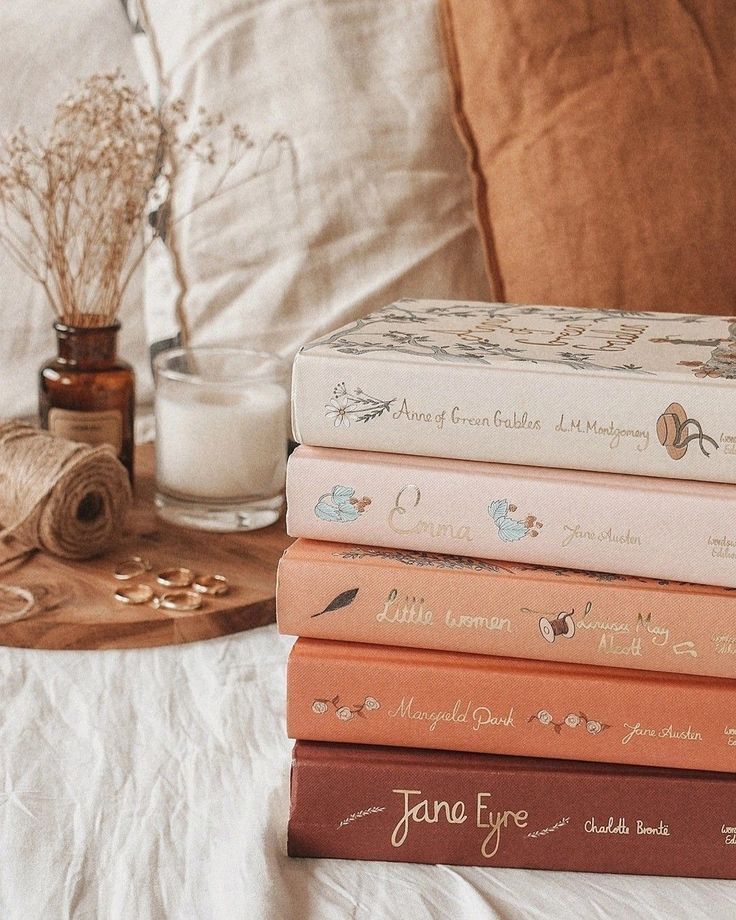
(629,392)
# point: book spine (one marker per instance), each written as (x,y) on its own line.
(452,603)
(351,803)
(630,525)
(441,700)
(537,417)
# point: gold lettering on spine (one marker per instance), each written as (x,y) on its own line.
(435,811)
(401,520)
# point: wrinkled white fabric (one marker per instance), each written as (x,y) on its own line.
(43,52)
(153,785)
(376,203)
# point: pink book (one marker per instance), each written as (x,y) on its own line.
(606,522)
(459,604)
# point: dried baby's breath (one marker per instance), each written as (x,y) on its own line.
(73,203)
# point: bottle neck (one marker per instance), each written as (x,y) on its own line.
(87,347)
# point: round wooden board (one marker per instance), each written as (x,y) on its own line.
(75,606)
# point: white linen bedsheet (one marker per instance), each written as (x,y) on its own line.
(154,784)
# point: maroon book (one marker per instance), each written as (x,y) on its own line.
(405,805)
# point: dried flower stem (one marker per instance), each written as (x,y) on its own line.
(172,234)
(239,143)
(73,204)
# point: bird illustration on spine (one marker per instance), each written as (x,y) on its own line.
(509,529)
(340,505)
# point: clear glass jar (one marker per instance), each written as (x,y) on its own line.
(222,424)
(86,393)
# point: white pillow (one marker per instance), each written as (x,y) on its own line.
(382,204)
(44,52)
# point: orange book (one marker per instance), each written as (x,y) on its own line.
(369,694)
(455,603)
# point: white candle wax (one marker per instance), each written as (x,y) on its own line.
(221,444)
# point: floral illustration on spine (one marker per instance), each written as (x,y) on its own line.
(344,712)
(363,813)
(674,436)
(544,831)
(423,559)
(340,505)
(510,529)
(571,720)
(346,407)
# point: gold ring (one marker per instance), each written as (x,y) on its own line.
(175,578)
(135,594)
(131,568)
(211,584)
(179,600)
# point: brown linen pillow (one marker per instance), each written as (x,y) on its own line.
(602,141)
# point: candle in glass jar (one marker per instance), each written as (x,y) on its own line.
(219,444)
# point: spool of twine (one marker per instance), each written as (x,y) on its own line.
(58,496)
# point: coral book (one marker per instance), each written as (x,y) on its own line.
(370,694)
(457,603)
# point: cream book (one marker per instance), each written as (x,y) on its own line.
(650,394)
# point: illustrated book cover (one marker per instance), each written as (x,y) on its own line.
(651,394)
(371,694)
(413,599)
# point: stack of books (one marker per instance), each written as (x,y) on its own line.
(514,590)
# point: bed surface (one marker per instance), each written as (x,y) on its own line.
(154,784)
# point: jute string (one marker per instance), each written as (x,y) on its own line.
(58,496)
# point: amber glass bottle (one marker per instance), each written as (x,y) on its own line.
(86,393)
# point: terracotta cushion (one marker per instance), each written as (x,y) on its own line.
(602,140)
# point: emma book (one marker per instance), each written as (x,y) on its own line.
(602,522)
(456,603)
(370,694)
(360,802)
(650,394)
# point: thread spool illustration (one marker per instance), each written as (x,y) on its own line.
(562,625)
(673,434)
